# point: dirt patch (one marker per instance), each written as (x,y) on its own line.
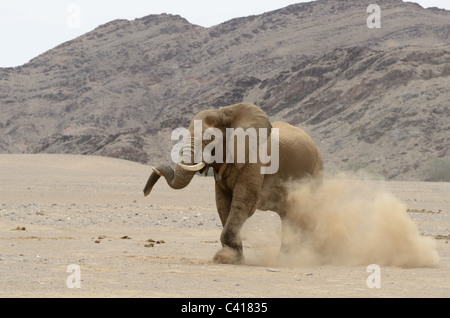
(65,203)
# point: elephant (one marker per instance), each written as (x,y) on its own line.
(241,187)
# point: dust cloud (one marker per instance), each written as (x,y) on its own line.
(350,222)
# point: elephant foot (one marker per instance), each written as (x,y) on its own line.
(228,255)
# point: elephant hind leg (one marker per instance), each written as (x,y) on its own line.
(287,237)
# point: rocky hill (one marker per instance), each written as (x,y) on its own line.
(373,98)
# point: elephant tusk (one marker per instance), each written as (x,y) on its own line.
(197,167)
(156,171)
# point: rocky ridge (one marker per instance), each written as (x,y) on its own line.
(373,98)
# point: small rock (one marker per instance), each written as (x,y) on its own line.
(19,228)
(272,270)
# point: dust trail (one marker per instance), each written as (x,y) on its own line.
(351,222)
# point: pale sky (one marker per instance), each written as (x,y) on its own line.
(31,27)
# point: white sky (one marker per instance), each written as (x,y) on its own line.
(31,27)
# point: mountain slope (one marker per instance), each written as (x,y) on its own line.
(369,97)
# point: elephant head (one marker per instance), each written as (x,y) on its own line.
(242,116)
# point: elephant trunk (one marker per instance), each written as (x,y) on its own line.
(177,179)
(183,173)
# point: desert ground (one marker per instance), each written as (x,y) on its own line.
(79,226)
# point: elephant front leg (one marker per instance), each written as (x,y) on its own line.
(243,205)
(232,251)
(227,255)
(223,203)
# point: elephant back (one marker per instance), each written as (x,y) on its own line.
(298,154)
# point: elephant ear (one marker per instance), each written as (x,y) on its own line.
(245,116)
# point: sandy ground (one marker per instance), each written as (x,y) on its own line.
(61,210)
